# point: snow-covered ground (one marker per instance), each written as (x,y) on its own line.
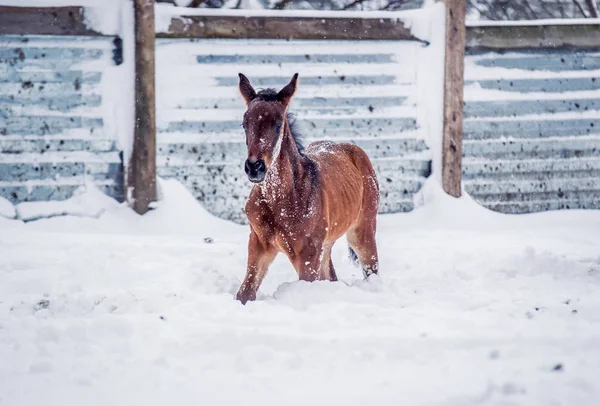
(471,308)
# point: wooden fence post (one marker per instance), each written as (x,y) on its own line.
(142,165)
(453,97)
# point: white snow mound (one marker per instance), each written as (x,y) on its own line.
(87,201)
(7,209)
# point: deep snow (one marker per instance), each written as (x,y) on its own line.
(472,307)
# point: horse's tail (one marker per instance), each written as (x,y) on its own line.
(353,257)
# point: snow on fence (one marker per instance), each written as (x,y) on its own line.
(56,127)
(532,117)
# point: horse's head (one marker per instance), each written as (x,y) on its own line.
(264,124)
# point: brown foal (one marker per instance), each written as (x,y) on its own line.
(303,201)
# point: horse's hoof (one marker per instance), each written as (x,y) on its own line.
(245,297)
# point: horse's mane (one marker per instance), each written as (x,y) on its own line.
(270,95)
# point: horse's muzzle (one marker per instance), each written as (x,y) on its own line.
(256,170)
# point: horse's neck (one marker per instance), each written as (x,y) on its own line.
(286,167)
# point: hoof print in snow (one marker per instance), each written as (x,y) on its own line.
(494,354)
(162,318)
(208,240)
(558,368)
(42,304)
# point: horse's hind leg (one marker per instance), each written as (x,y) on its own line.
(361,236)
(361,239)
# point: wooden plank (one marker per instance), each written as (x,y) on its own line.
(592,8)
(263,27)
(527,36)
(453,97)
(142,165)
(44,21)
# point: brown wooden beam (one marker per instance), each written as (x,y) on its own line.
(453,97)
(273,27)
(592,8)
(142,165)
(511,37)
(44,21)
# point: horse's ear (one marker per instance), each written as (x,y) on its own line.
(285,94)
(246,89)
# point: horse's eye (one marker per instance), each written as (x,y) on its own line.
(278,128)
(243,126)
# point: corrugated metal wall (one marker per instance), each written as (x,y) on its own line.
(363,92)
(54,121)
(532,130)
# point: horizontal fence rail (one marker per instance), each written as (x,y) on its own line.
(237,27)
(44,21)
(552,34)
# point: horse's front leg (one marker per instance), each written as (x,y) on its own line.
(260,256)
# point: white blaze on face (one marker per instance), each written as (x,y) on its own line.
(272,180)
(277,148)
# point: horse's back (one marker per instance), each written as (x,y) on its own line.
(349,182)
(342,156)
